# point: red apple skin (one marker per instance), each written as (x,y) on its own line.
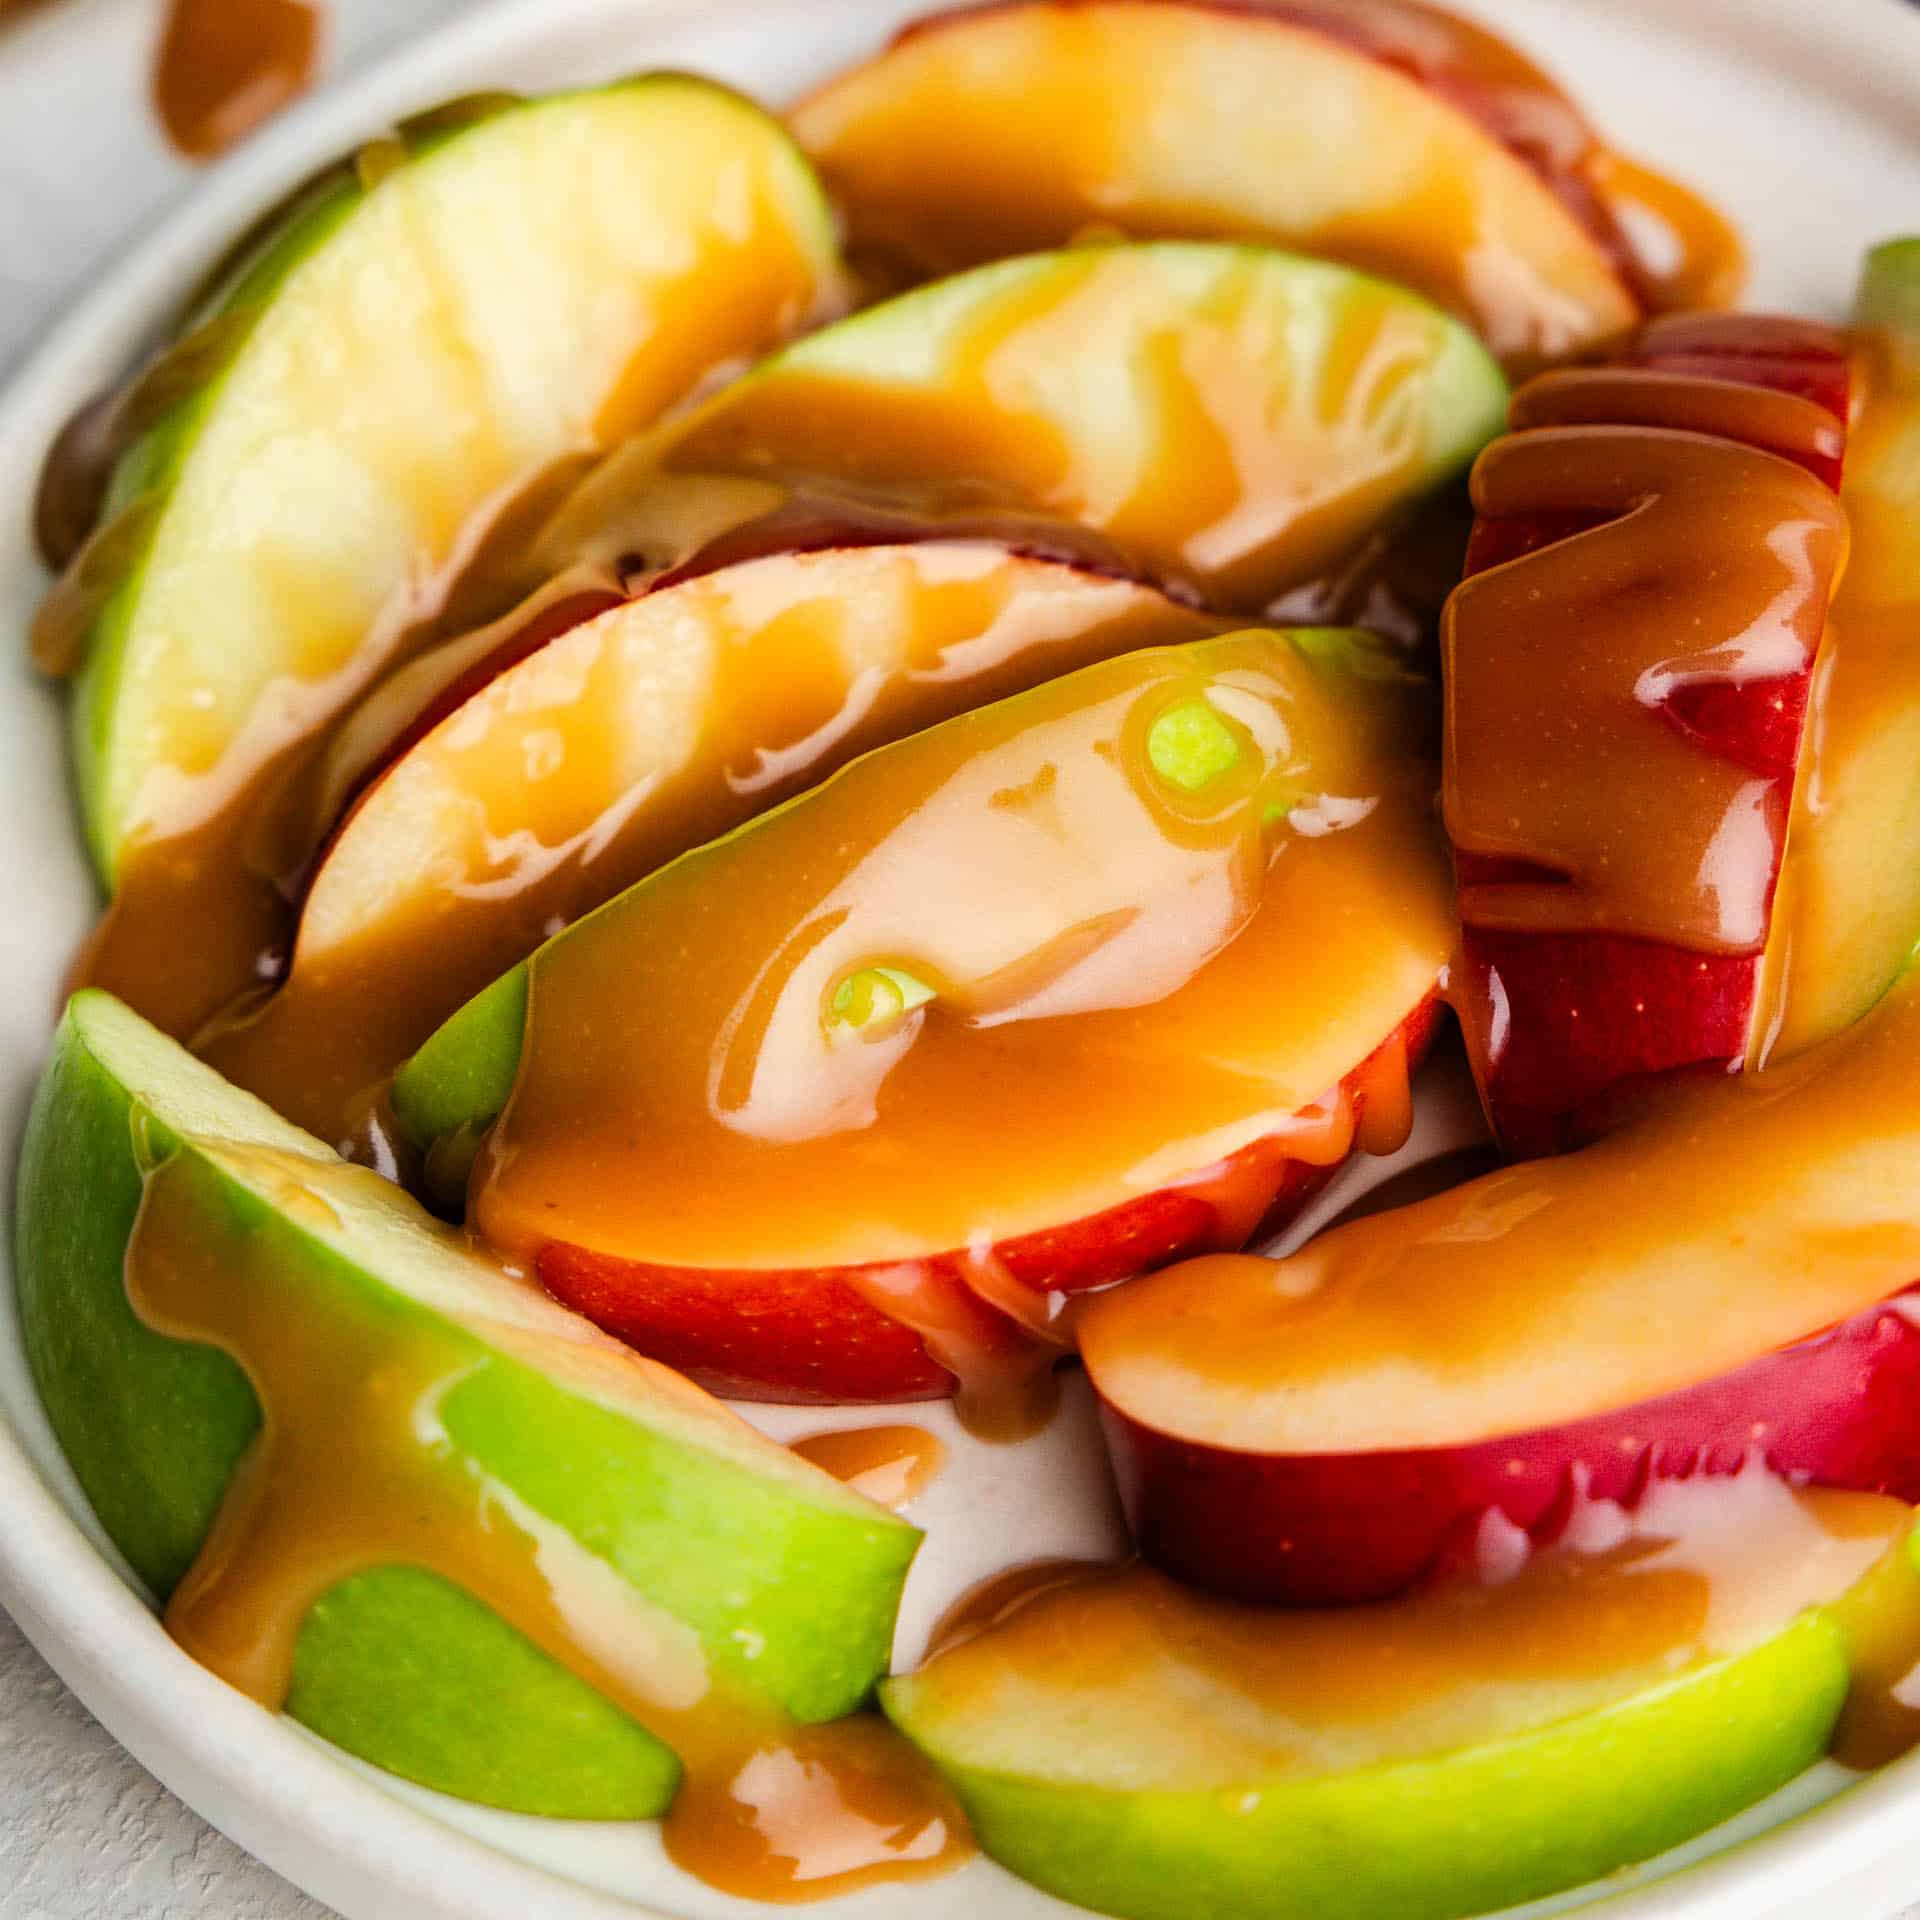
(807,1336)
(1839,1409)
(1594,1020)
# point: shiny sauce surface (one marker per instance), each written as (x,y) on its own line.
(1624,1601)
(1582,749)
(990,981)
(1755,1210)
(624,742)
(1076,152)
(1231,471)
(354,1468)
(224,66)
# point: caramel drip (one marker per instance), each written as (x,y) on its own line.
(225,66)
(1708,267)
(1567,757)
(354,1468)
(1625,1602)
(581,769)
(892,1466)
(1236,491)
(1005,1387)
(1383,1098)
(1108,939)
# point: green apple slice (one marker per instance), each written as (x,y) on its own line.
(789,1582)
(535,283)
(1158,1755)
(1233,418)
(1849,892)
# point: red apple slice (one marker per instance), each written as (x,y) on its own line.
(891,1333)
(1728,1277)
(1389,135)
(624,739)
(1628,673)
(1063,987)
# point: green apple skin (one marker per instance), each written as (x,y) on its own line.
(1435,1839)
(106,737)
(1862,917)
(725,1531)
(1098,394)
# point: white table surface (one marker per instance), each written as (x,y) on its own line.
(85,1832)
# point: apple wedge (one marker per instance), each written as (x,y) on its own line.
(881,1059)
(638,734)
(1393,137)
(1159,1755)
(390,371)
(1232,419)
(652,1511)
(1849,896)
(1619,801)
(1732,1274)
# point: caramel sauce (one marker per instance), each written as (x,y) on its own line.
(354,1468)
(240,787)
(1844,913)
(225,66)
(892,1466)
(1091,136)
(1754,1210)
(1622,1603)
(1570,761)
(1235,492)
(1707,264)
(650,730)
(1088,1038)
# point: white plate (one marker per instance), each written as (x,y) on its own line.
(1804,123)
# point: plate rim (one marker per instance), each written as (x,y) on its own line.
(325,1825)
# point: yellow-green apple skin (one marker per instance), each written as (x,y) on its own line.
(726,1532)
(1850,886)
(396,358)
(1233,418)
(1086,1799)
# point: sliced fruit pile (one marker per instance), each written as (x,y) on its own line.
(687,814)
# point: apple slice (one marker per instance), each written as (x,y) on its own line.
(1052,992)
(662,723)
(1233,419)
(653,1511)
(1849,896)
(1394,137)
(1619,802)
(1152,1753)
(1731,1274)
(395,365)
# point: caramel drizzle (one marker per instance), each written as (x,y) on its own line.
(1566,753)
(354,1468)
(225,66)
(892,1466)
